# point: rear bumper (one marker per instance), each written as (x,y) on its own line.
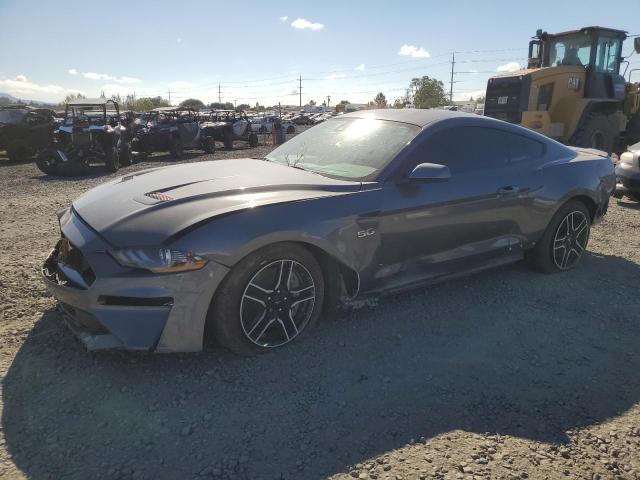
(627,180)
(129,308)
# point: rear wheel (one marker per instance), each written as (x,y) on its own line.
(228,141)
(291,129)
(565,240)
(268,300)
(176,149)
(209,145)
(112,159)
(597,132)
(18,152)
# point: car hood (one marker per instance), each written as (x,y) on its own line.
(149,207)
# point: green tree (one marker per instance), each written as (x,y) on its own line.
(242,106)
(398,103)
(192,103)
(312,103)
(340,107)
(480,100)
(381,100)
(427,92)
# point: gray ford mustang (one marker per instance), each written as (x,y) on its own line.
(253,251)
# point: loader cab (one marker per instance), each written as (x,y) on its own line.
(597,49)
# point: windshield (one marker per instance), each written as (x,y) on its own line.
(348,148)
(12,116)
(570,50)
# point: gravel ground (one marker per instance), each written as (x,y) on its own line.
(507,374)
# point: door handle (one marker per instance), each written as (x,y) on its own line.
(509,190)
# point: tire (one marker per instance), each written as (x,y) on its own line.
(548,256)
(596,132)
(125,156)
(47,161)
(291,129)
(112,159)
(176,149)
(253,140)
(209,145)
(18,152)
(228,141)
(239,313)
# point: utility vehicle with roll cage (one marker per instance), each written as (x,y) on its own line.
(173,130)
(92,131)
(25,130)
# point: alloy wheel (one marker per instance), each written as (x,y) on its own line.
(277,303)
(570,240)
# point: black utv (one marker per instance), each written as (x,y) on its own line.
(25,130)
(227,126)
(92,131)
(170,129)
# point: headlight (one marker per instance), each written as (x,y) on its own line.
(158,260)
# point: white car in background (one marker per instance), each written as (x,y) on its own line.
(265,125)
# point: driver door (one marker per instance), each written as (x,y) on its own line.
(432,230)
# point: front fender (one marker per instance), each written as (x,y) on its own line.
(328,223)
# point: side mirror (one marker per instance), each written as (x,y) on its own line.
(636,44)
(430,173)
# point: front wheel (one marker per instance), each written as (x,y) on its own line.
(47,161)
(565,240)
(268,300)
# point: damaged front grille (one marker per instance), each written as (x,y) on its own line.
(67,266)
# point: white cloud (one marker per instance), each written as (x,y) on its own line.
(284,18)
(20,86)
(464,96)
(360,67)
(303,23)
(109,78)
(413,51)
(335,76)
(509,67)
(72,71)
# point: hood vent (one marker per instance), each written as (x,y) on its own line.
(162,197)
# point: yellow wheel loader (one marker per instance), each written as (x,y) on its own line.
(573,90)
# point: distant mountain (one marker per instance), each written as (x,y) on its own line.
(6,98)
(10,97)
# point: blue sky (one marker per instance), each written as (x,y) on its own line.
(256,49)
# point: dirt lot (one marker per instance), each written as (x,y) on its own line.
(507,374)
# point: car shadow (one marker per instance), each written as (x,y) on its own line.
(507,351)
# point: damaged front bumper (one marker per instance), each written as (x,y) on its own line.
(110,306)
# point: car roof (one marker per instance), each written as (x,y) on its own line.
(415,116)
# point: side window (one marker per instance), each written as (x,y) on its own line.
(521,148)
(468,149)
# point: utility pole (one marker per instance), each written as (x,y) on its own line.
(300,91)
(328,101)
(453,62)
(169,97)
(279,110)
(219,94)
